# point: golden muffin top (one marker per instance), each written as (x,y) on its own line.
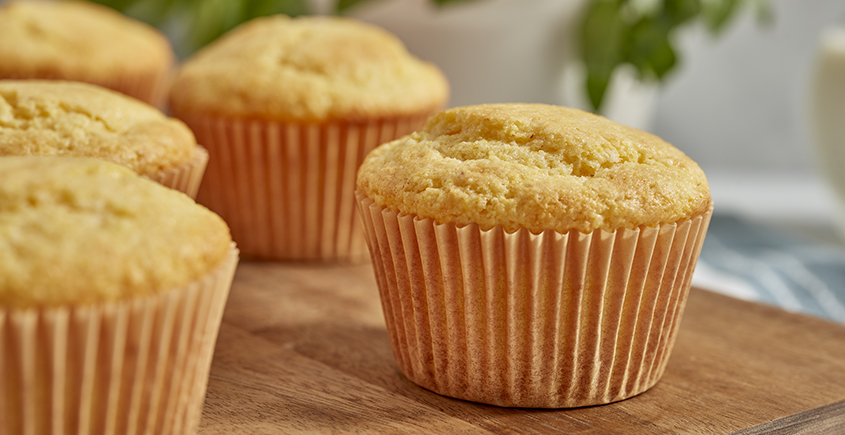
(76,119)
(83,231)
(67,39)
(535,166)
(307,69)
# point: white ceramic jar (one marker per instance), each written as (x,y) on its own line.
(827,113)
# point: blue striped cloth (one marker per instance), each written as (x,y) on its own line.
(749,261)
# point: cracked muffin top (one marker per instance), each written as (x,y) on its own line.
(81,231)
(534,166)
(56,118)
(307,69)
(72,39)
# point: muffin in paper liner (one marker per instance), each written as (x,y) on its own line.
(286,189)
(186,177)
(134,366)
(519,319)
(288,107)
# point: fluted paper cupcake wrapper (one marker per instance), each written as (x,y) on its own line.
(139,366)
(518,319)
(287,189)
(186,177)
(149,88)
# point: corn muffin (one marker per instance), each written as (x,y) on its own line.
(530,255)
(112,289)
(58,118)
(287,108)
(83,41)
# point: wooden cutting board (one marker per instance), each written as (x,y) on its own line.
(303,349)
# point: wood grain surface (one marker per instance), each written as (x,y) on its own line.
(303,349)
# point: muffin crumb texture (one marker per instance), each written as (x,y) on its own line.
(83,231)
(67,39)
(307,69)
(534,166)
(75,119)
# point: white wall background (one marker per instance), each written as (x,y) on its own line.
(740,106)
(739,102)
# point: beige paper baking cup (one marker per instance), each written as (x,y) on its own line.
(186,177)
(544,320)
(287,189)
(134,367)
(150,88)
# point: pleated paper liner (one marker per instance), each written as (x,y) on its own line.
(150,87)
(543,320)
(186,177)
(139,366)
(287,189)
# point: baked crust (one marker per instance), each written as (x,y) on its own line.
(77,40)
(535,166)
(40,117)
(307,69)
(82,231)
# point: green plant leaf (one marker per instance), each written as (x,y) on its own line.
(341,6)
(447,2)
(213,18)
(662,58)
(680,11)
(153,12)
(764,12)
(596,84)
(649,47)
(717,14)
(616,32)
(263,8)
(601,39)
(119,5)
